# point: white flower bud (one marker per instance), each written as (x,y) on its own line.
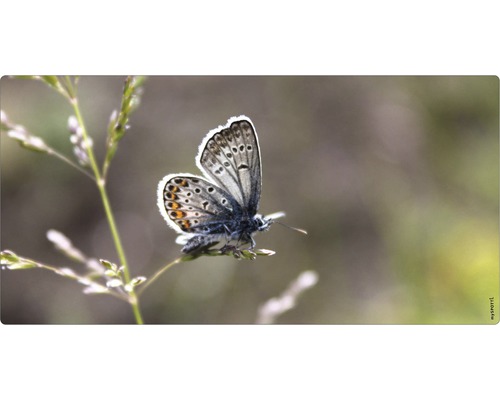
(307,279)
(3,118)
(72,124)
(114,283)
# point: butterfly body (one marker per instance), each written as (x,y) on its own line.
(223,204)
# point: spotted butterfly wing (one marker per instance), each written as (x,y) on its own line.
(193,205)
(230,156)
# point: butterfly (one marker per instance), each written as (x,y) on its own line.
(224,203)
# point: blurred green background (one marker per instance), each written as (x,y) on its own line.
(396,179)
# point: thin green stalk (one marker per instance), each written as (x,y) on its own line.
(134,301)
(54,153)
(161,271)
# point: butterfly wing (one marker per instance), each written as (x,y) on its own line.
(230,156)
(192,205)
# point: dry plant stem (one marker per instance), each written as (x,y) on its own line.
(133,300)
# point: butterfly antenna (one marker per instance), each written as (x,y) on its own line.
(292,228)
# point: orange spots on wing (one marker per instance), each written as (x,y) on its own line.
(173,205)
(181,182)
(177,214)
(185,224)
(170,196)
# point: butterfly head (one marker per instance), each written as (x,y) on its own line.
(262,223)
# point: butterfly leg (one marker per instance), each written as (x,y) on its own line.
(245,238)
(252,243)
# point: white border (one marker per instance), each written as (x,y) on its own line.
(292,353)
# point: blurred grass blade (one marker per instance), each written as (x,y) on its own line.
(52,81)
(37,77)
(118,123)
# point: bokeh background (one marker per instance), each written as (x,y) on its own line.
(396,179)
